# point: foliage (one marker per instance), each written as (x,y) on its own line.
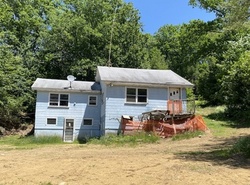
(53,39)
(210,5)
(122,140)
(236,82)
(241,147)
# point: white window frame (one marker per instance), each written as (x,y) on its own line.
(89,100)
(87,119)
(59,100)
(136,95)
(51,118)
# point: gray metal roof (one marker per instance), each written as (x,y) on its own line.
(64,85)
(141,76)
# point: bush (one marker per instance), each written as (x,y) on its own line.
(242,147)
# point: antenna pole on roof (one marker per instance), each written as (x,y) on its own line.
(109,64)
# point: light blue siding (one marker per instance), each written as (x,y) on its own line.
(78,110)
(106,115)
(184,94)
(116,105)
(103,107)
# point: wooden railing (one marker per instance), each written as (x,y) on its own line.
(181,106)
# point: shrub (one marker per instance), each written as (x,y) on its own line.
(242,147)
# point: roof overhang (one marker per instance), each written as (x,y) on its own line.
(66,90)
(141,84)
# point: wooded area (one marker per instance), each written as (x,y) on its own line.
(52,39)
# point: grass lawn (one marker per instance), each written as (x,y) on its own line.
(213,116)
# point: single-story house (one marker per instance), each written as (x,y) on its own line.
(75,109)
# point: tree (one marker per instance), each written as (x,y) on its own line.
(19,33)
(235,82)
(90,33)
(53,39)
(231,59)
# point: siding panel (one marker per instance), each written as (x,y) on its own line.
(116,105)
(77,110)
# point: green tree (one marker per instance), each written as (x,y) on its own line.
(53,39)
(21,27)
(85,34)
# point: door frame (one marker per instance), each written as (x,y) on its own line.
(64,129)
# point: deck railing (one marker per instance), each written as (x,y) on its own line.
(181,106)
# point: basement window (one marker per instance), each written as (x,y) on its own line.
(87,121)
(51,121)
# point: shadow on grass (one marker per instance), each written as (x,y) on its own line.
(236,121)
(217,154)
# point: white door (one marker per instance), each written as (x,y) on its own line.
(174,94)
(174,102)
(69,130)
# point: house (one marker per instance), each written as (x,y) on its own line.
(75,109)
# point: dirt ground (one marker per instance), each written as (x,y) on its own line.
(167,162)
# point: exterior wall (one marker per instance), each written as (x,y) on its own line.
(78,110)
(106,115)
(103,107)
(116,105)
(183,94)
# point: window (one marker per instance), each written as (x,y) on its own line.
(87,121)
(51,121)
(136,95)
(59,100)
(92,100)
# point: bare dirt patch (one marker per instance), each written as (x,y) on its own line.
(167,162)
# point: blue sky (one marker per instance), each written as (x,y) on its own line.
(157,13)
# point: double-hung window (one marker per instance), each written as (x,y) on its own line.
(59,100)
(136,95)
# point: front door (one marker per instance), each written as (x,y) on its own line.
(174,102)
(174,93)
(69,130)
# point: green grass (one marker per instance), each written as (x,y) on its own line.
(187,135)
(242,147)
(214,119)
(222,126)
(29,142)
(122,140)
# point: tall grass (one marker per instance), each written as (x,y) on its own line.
(30,141)
(123,140)
(242,147)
